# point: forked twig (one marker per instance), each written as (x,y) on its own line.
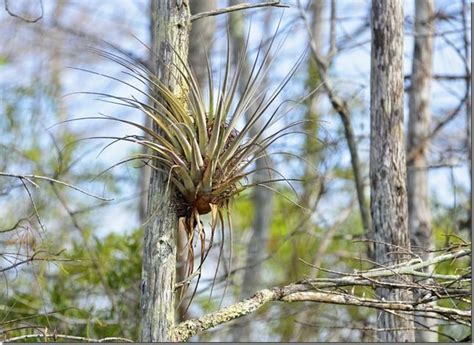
(238,7)
(30,177)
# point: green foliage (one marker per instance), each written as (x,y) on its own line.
(92,297)
(244,210)
(344,173)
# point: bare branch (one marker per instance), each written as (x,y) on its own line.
(450,77)
(7,8)
(15,226)
(340,107)
(29,178)
(311,290)
(239,7)
(40,222)
(34,258)
(54,337)
(439,126)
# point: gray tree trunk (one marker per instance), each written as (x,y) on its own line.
(312,151)
(262,198)
(466,7)
(340,106)
(312,148)
(387,158)
(419,123)
(170,30)
(201,37)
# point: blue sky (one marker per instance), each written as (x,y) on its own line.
(350,76)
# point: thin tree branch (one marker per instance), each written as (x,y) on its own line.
(310,290)
(92,253)
(29,178)
(439,126)
(239,7)
(40,222)
(450,77)
(340,107)
(69,337)
(7,8)
(15,226)
(31,259)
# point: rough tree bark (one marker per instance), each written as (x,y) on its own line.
(387,158)
(419,126)
(170,31)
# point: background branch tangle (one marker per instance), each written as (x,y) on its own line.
(333,291)
(330,291)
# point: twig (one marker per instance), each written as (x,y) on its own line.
(15,226)
(440,125)
(33,204)
(187,280)
(7,8)
(450,77)
(29,177)
(29,259)
(340,106)
(3,323)
(412,269)
(345,299)
(70,337)
(90,250)
(238,7)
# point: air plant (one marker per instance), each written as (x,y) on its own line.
(197,144)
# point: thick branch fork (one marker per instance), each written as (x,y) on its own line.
(310,290)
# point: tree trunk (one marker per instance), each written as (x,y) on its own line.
(387,158)
(419,123)
(340,106)
(170,32)
(313,148)
(313,153)
(201,39)
(262,198)
(466,8)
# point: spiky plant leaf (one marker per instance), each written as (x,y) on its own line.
(196,143)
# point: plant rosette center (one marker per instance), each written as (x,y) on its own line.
(203,204)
